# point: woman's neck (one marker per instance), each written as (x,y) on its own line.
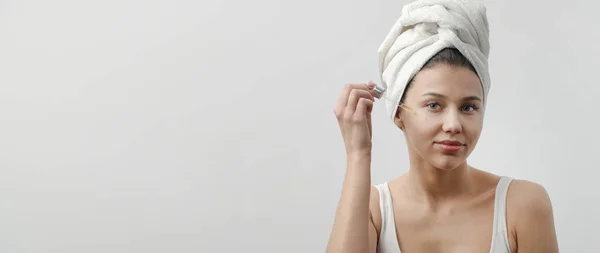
(438,186)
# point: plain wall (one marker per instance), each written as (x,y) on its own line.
(208,126)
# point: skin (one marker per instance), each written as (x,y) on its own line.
(441,204)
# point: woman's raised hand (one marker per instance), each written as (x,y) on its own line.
(353,112)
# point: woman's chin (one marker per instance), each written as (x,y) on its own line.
(447,163)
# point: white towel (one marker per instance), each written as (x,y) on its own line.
(425,28)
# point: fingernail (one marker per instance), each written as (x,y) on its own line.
(370,84)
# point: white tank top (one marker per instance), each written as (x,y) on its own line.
(388,242)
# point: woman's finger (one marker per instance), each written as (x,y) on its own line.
(355,95)
(363,109)
(343,98)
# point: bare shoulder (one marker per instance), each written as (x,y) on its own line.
(528,196)
(530,217)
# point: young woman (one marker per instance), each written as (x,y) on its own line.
(442,204)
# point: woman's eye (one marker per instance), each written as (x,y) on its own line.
(433,106)
(469,108)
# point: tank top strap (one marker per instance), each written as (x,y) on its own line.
(388,242)
(500,241)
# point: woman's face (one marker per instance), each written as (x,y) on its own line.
(446,118)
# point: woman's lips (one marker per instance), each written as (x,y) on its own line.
(450,145)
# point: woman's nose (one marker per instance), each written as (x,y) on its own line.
(452,123)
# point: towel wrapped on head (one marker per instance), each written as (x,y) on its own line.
(424,28)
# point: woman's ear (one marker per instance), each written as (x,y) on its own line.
(398,119)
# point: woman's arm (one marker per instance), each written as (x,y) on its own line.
(353,229)
(352,223)
(534,219)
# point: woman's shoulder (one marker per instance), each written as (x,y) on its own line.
(376,197)
(530,216)
(528,195)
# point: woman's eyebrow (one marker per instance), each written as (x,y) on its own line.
(469,98)
(472,98)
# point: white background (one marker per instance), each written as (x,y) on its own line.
(208,126)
